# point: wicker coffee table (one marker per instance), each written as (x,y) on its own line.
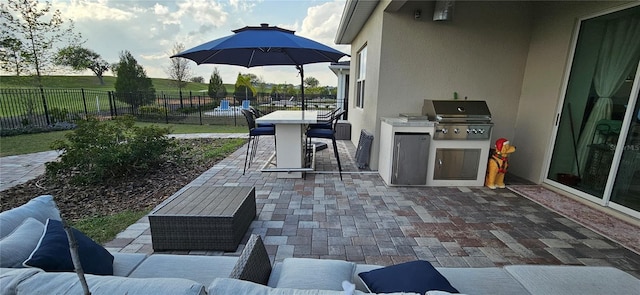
(203,218)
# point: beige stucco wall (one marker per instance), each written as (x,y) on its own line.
(365,118)
(549,56)
(481,54)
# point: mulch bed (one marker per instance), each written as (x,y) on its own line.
(141,191)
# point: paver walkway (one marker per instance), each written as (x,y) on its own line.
(19,169)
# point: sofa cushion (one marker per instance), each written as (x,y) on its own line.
(10,278)
(41,208)
(18,245)
(415,276)
(125,263)
(483,281)
(227,286)
(52,252)
(67,283)
(304,273)
(202,269)
(566,280)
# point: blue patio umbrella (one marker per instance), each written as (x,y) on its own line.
(263,46)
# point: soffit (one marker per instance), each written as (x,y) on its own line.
(354,16)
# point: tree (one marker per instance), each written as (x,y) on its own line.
(179,69)
(276,90)
(289,90)
(215,84)
(132,84)
(262,88)
(198,79)
(243,85)
(311,82)
(13,57)
(38,29)
(79,59)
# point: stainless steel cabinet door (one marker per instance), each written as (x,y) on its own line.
(410,158)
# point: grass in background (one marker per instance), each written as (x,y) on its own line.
(29,143)
(105,228)
(40,142)
(92,82)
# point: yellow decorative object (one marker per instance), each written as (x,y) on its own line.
(498,164)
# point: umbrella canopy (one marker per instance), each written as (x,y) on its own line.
(263,46)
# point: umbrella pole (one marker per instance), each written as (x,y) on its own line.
(301,70)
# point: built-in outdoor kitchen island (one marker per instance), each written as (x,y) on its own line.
(447,144)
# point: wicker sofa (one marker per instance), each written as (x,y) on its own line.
(253,273)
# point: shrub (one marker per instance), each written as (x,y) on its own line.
(59,115)
(152,112)
(99,151)
(151,109)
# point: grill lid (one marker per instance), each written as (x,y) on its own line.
(457,111)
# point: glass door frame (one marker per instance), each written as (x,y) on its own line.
(605,200)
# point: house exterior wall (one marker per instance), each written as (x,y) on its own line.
(480,54)
(366,118)
(514,55)
(554,26)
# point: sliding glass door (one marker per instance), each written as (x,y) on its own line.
(598,134)
(626,189)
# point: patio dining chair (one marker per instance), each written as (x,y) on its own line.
(257,114)
(326,120)
(254,135)
(327,133)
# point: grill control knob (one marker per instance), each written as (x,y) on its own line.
(456,130)
(474,131)
(481,131)
(444,130)
(468,130)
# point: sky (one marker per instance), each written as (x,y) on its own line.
(149,30)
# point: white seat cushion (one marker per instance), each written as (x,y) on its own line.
(579,280)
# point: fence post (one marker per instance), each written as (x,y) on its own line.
(44,104)
(180,93)
(112,104)
(235,121)
(199,108)
(166,109)
(84,101)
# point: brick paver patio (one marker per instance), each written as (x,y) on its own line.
(360,219)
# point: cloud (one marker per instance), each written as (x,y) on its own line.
(321,24)
(202,12)
(243,5)
(160,10)
(79,10)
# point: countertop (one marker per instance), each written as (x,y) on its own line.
(403,122)
(289,117)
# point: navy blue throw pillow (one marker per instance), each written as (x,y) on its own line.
(52,252)
(416,276)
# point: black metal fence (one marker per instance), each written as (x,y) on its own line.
(42,108)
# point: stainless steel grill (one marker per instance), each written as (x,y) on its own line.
(460,145)
(459,119)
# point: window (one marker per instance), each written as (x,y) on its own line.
(360,76)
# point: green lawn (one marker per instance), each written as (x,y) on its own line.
(92,82)
(39,142)
(105,228)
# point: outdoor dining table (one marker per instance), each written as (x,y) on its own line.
(290,145)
